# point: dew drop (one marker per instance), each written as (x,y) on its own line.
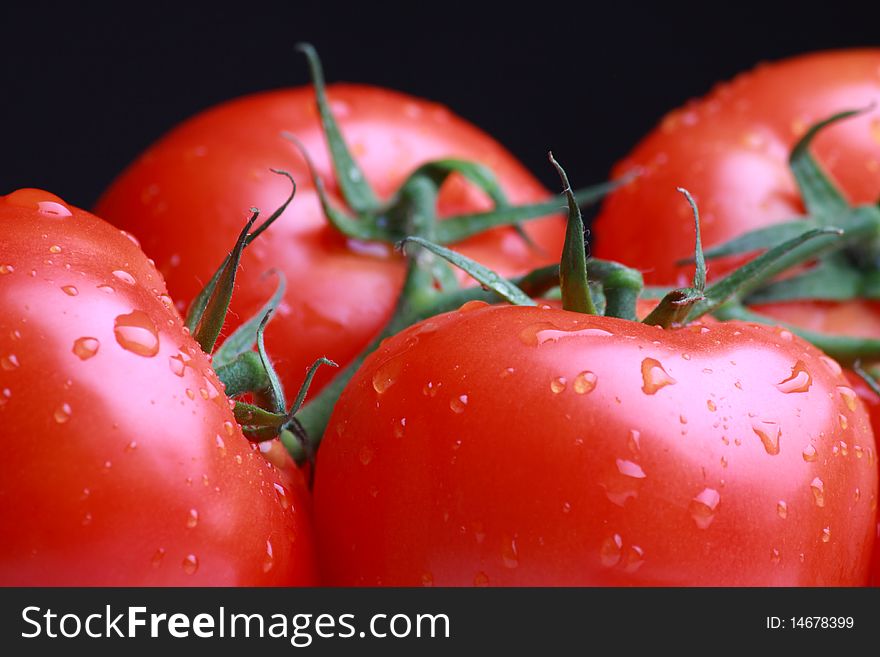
(9,362)
(557,385)
(62,413)
(844,423)
(782,509)
(566,507)
(458,404)
(106,289)
(775,557)
(510,553)
(192,518)
(711,405)
(611,551)
(769,433)
(818,489)
(826,534)
(800,379)
(54,249)
(365,455)
(6,269)
(849,396)
(633,441)
(481,579)
(654,377)
(470,306)
(703,507)
(585,382)
(221,445)
(546,332)
(190,564)
(69,290)
(177,364)
(268,557)
(427,580)
(832,365)
(158,556)
(124,276)
(386,375)
(430,389)
(507,371)
(85,347)
(283,495)
(136,332)
(809,453)
(229,428)
(190,393)
(399,429)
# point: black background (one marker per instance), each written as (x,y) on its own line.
(84,87)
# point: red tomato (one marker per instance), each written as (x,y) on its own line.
(186,199)
(122,463)
(730,150)
(524,446)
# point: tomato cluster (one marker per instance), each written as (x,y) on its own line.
(533,442)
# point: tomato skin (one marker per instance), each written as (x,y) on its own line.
(471,449)
(186,199)
(730,150)
(123,464)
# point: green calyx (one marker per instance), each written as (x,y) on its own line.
(369,219)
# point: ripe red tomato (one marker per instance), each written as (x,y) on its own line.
(533,446)
(122,463)
(187,196)
(730,150)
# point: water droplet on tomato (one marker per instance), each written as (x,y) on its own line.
(124,276)
(190,393)
(229,428)
(782,509)
(844,423)
(471,306)
(654,377)
(817,487)
(62,413)
(386,375)
(585,382)
(192,518)
(400,428)
(849,396)
(769,433)
(703,507)
(430,389)
(775,557)
(481,579)
(427,579)
(54,249)
(136,332)
(106,289)
(69,290)
(507,371)
(268,557)
(557,385)
(365,455)
(546,332)
(826,534)
(509,553)
(566,507)
(6,269)
(711,405)
(190,564)
(283,495)
(158,556)
(832,365)
(177,364)
(221,445)
(857,494)
(633,441)
(458,404)
(611,551)
(800,379)
(85,347)
(809,453)
(9,362)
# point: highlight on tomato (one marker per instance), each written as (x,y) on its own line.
(535,445)
(123,461)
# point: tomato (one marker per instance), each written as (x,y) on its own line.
(187,196)
(730,150)
(501,445)
(122,463)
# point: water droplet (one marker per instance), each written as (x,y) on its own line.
(221,445)
(557,385)
(85,347)
(268,557)
(799,381)
(775,557)
(703,507)
(386,375)
(844,423)
(711,405)
(546,332)
(769,433)
(857,450)
(158,556)
(54,249)
(430,389)
(826,534)
(507,371)
(566,507)
(192,518)
(6,269)
(623,484)
(283,495)
(857,494)
(782,509)
(458,404)
(365,455)
(481,579)
(809,453)
(427,579)
(124,276)
(106,289)
(400,428)
(229,428)
(190,393)
(190,564)
(844,448)
(9,362)
(818,489)
(69,290)
(723,461)
(633,441)
(849,396)
(585,382)
(136,332)
(470,306)
(62,413)
(832,365)
(177,364)
(509,553)
(654,377)
(611,551)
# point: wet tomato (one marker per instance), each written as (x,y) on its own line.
(187,196)
(123,464)
(501,445)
